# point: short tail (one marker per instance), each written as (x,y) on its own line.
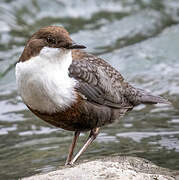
(145,97)
(139,96)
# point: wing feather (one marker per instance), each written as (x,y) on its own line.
(99,82)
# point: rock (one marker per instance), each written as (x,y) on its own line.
(113,168)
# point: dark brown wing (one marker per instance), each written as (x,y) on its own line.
(103,84)
(98,82)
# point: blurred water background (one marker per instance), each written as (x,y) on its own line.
(140,38)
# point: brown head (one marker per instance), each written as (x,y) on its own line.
(50,36)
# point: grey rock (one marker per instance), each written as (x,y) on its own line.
(113,168)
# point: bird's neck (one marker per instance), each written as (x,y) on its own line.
(56,56)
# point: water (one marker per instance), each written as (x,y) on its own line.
(140,38)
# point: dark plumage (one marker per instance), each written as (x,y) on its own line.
(103,94)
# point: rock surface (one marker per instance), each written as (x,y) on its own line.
(113,168)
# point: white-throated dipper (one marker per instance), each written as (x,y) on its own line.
(71,89)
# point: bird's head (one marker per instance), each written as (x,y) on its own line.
(50,37)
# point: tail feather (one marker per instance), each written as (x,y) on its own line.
(139,96)
(147,98)
(151,99)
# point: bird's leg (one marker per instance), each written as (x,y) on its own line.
(93,134)
(71,149)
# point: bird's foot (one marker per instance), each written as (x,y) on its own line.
(71,164)
(93,134)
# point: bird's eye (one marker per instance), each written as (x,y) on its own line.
(51,40)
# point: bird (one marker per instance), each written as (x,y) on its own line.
(72,89)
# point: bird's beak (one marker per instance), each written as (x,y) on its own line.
(76,46)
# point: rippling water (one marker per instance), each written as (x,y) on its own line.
(140,38)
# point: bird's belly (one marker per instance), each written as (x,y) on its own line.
(81,116)
(71,119)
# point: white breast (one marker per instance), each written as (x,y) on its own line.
(43,81)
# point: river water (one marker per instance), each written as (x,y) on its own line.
(140,38)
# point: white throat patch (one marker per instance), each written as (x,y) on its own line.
(43,81)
